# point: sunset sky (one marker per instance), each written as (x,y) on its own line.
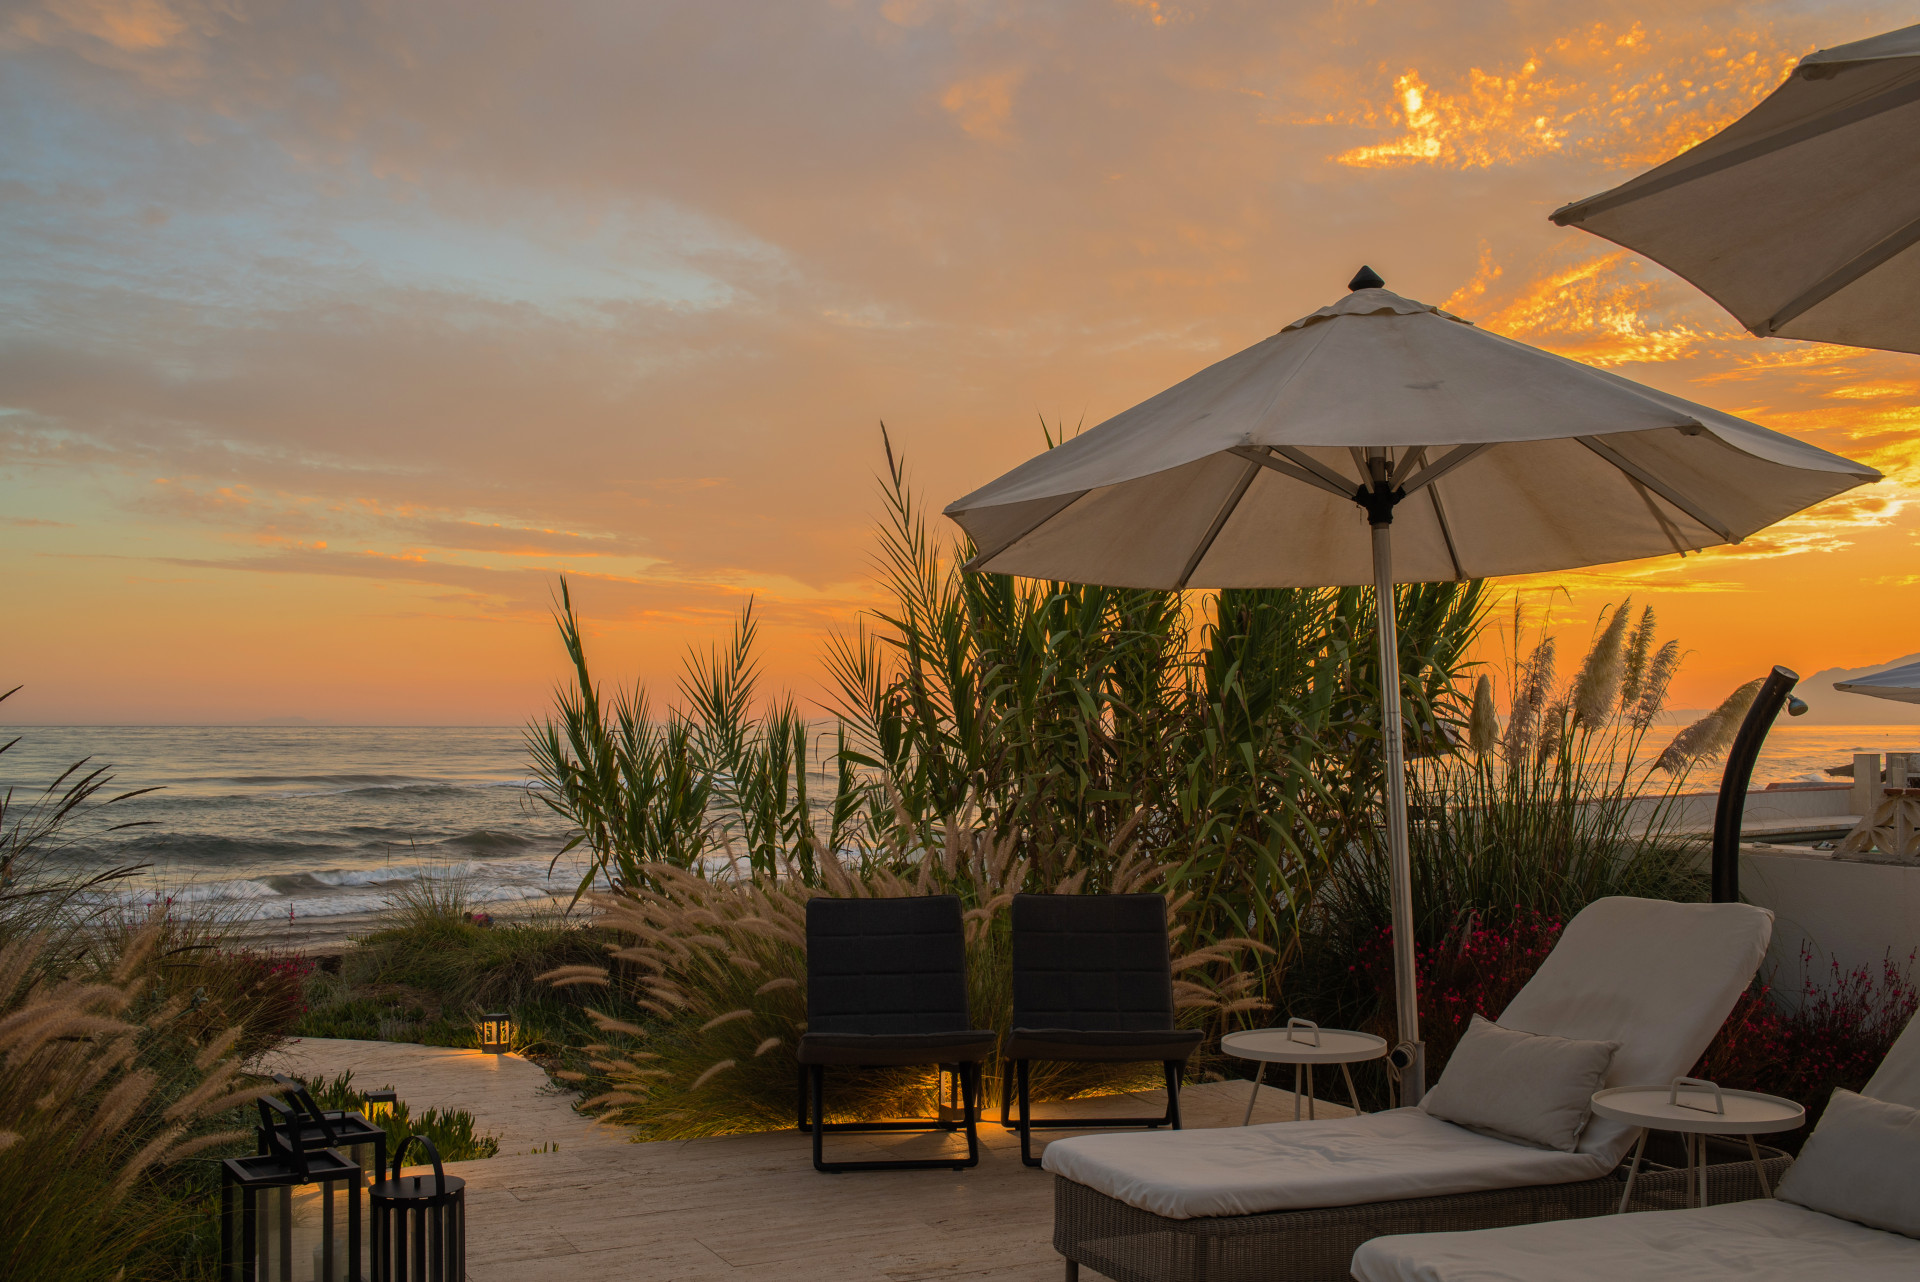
(332,331)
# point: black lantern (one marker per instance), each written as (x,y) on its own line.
(379,1108)
(362,1142)
(419,1223)
(289,1212)
(496,1034)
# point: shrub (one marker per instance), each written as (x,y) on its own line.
(1831,1033)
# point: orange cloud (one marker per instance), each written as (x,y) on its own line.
(1623,97)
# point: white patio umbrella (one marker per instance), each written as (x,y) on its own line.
(1468,455)
(1900,684)
(1801,217)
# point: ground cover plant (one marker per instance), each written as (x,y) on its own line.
(451,1129)
(435,965)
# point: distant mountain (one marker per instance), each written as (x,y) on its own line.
(1827,706)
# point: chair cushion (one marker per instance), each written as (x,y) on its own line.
(1529,1087)
(1655,976)
(886,966)
(1290,1166)
(1757,1241)
(1897,1080)
(1096,963)
(885,1049)
(1081,1046)
(1862,1163)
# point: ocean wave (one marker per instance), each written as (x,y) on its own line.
(211,847)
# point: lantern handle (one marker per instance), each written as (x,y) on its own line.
(303,1102)
(433,1155)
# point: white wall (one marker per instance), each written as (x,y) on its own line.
(1853,912)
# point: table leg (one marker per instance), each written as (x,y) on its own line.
(1758,1169)
(1296,1092)
(1700,1157)
(1310,1116)
(1351,1093)
(1259,1069)
(1633,1169)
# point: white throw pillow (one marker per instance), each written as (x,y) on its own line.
(1862,1163)
(1528,1087)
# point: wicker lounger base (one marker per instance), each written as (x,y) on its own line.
(1127,1244)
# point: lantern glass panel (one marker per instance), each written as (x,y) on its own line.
(496,1034)
(281,1228)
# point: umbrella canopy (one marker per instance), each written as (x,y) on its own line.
(1383,441)
(1801,217)
(1900,684)
(1513,461)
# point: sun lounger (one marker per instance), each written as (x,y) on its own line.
(1294,1199)
(1757,1241)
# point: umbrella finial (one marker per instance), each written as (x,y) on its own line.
(1366,278)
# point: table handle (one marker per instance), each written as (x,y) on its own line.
(1297,1022)
(1673,1094)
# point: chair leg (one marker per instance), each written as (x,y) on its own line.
(1174,1067)
(1006,1094)
(816,1081)
(801,1110)
(1026,1115)
(1073,1271)
(969,1074)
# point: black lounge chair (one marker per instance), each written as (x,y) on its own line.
(1091,984)
(887,986)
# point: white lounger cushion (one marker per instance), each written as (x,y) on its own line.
(1654,976)
(1287,1166)
(1760,1241)
(1898,1079)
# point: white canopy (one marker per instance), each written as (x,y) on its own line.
(1515,461)
(1803,216)
(1899,684)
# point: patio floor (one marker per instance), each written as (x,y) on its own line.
(743,1208)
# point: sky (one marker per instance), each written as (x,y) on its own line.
(330,333)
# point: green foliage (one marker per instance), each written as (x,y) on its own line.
(451,1130)
(1565,806)
(1230,739)
(430,972)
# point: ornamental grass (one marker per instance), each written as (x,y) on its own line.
(716,969)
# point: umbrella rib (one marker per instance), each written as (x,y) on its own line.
(1411,459)
(1660,518)
(1446,533)
(1452,459)
(1219,523)
(981,558)
(1658,486)
(1252,453)
(1580,210)
(1338,483)
(1835,281)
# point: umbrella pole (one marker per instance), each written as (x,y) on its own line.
(1413,1073)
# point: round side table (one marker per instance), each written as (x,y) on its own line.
(1696,1109)
(1303,1043)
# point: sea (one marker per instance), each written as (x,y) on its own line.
(304,825)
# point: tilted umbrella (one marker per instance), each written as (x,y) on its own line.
(1468,455)
(1803,216)
(1900,684)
